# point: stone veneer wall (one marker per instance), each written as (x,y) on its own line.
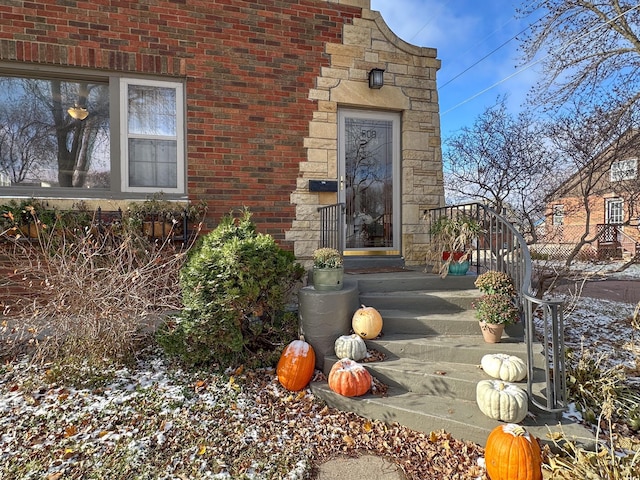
(410,88)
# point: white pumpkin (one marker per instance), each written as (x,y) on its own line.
(350,346)
(502,401)
(508,368)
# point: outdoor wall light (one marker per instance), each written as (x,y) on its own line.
(79,113)
(376,78)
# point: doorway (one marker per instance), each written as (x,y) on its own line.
(369,181)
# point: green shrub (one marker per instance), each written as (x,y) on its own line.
(235,285)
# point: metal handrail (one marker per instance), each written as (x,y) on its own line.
(502,247)
(332,226)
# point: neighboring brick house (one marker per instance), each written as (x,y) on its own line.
(610,186)
(235,102)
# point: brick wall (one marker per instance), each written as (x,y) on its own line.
(249,67)
(264,83)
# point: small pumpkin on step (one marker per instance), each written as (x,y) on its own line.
(367,322)
(502,400)
(508,368)
(350,346)
(349,378)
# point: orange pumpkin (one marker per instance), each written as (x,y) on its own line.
(296,365)
(349,378)
(367,322)
(512,453)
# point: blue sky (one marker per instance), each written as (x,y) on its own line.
(465,32)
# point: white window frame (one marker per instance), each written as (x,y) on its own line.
(124,135)
(624,170)
(618,205)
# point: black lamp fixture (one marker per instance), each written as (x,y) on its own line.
(376,78)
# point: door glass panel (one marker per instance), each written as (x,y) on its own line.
(368,182)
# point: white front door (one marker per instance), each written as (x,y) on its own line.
(369,181)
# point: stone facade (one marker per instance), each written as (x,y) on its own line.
(410,88)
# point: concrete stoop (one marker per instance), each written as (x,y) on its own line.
(433,347)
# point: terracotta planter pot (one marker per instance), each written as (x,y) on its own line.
(491,332)
(158,229)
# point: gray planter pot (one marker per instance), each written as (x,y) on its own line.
(327,279)
(326,315)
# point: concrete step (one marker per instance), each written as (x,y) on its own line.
(467,349)
(426,413)
(418,323)
(425,302)
(429,324)
(409,280)
(443,379)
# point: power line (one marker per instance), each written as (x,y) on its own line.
(498,48)
(485,57)
(526,67)
(427,23)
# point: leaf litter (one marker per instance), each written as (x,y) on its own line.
(157,421)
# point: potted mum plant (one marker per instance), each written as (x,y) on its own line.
(328,271)
(496,308)
(452,244)
(494,282)
(494,312)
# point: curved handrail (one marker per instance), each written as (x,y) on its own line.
(502,247)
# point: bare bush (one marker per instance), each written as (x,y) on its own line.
(94,294)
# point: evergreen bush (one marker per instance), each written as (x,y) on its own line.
(235,286)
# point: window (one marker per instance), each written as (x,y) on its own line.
(42,145)
(614,211)
(153,135)
(624,170)
(558,215)
(56,134)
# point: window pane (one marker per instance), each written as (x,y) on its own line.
(558,214)
(152,110)
(153,163)
(615,211)
(42,145)
(624,170)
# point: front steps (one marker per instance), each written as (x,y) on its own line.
(433,347)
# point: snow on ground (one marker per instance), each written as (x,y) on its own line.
(157,421)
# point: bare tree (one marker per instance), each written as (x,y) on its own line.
(589,49)
(25,150)
(501,160)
